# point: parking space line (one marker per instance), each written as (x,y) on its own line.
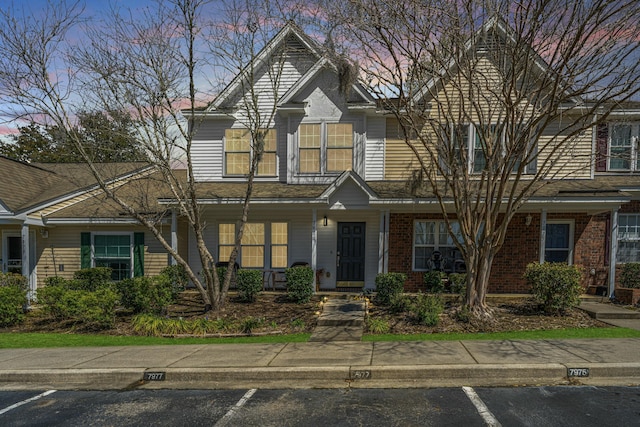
(484,412)
(229,415)
(31,399)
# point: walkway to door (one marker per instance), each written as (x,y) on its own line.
(342,319)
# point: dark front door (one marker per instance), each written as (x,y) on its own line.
(350,254)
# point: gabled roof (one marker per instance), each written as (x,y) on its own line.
(495,25)
(290,29)
(25,187)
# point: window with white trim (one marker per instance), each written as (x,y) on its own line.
(469,145)
(431,237)
(114,251)
(628,238)
(623,147)
(325,148)
(262,245)
(238,152)
(558,244)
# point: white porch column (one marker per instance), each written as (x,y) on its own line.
(383,242)
(314,245)
(543,233)
(613,251)
(26,267)
(174,234)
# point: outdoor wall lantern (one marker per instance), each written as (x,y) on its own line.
(527,220)
(324,221)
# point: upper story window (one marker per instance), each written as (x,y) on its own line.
(239,151)
(623,147)
(325,148)
(470,144)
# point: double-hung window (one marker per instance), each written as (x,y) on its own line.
(623,147)
(470,144)
(431,237)
(325,147)
(263,245)
(123,253)
(239,149)
(628,238)
(558,245)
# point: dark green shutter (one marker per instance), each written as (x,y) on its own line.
(138,254)
(85,250)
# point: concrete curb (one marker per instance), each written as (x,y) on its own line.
(365,376)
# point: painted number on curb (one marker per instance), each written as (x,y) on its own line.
(578,372)
(361,375)
(154,376)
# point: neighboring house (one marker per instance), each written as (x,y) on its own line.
(54,220)
(330,192)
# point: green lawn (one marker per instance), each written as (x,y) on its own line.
(35,340)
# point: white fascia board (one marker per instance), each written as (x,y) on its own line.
(73,221)
(261,201)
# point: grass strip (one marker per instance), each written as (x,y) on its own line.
(42,340)
(515,335)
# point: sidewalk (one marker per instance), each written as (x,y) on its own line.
(336,363)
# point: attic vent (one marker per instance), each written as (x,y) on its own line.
(293,45)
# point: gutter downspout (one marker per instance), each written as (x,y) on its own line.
(543,234)
(613,252)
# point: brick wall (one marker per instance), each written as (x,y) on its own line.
(521,247)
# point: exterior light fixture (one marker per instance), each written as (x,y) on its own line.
(325,221)
(527,220)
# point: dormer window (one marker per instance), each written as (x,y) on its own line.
(325,148)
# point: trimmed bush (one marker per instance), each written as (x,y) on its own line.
(91,279)
(388,287)
(176,275)
(249,284)
(299,283)
(427,309)
(93,309)
(433,282)
(13,298)
(556,286)
(458,282)
(630,275)
(146,294)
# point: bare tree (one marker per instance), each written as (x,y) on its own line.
(495,99)
(149,63)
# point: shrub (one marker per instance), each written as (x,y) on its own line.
(56,281)
(145,294)
(249,284)
(91,279)
(400,303)
(94,309)
(248,324)
(458,283)
(13,298)
(176,275)
(427,309)
(556,286)
(630,275)
(299,283)
(433,281)
(388,286)
(12,279)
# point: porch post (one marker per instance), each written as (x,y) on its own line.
(314,245)
(613,252)
(383,242)
(26,267)
(174,235)
(543,234)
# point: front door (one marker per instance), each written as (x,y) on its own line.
(350,254)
